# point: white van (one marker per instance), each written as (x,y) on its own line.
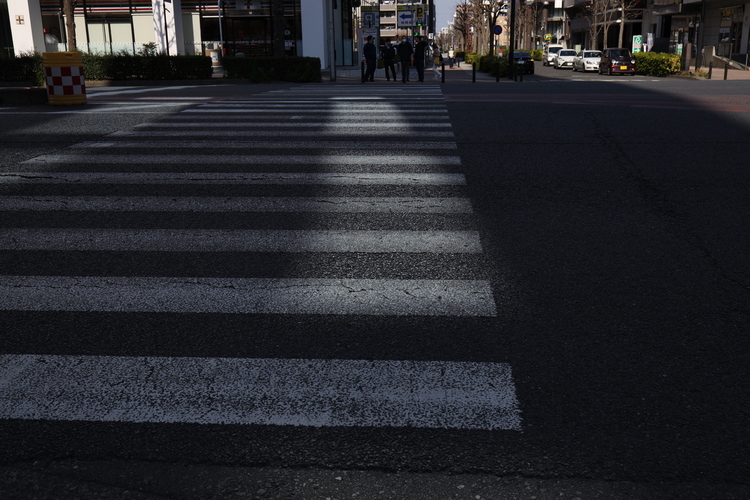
(550,53)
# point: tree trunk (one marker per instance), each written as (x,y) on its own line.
(622,25)
(70,25)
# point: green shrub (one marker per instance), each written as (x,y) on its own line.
(27,68)
(656,63)
(537,54)
(121,66)
(124,66)
(499,67)
(461,54)
(471,57)
(484,63)
(267,69)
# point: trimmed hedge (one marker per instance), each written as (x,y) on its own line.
(499,67)
(30,68)
(146,67)
(657,63)
(267,69)
(27,68)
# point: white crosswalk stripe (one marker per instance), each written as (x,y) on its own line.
(166,188)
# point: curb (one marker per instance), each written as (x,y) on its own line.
(23,95)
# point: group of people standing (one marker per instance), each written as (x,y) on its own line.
(406,53)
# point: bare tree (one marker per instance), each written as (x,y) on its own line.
(526,17)
(602,14)
(627,11)
(462,23)
(70,24)
(487,12)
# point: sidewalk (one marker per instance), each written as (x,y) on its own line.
(456,74)
(717,73)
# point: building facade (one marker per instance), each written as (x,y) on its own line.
(315,28)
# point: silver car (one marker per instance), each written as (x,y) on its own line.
(587,60)
(565,58)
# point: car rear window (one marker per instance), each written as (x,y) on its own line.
(619,53)
(554,50)
(592,54)
(567,53)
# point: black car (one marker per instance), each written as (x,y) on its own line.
(524,62)
(617,61)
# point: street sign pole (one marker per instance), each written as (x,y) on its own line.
(512,42)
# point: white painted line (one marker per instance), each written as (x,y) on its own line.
(356,124)
(260,391)
(261,178)
(235,204)
(328,110)
(336,115)
(378,297)
(333,106)
(130,110)
(284,145)
(104,92)
(229,240)
(172,159)
(396,134)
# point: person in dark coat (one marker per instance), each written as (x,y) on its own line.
(371,58)
(389,56)
(419,55)
(405,51)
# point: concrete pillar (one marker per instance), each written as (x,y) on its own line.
(168,26)
(26,27)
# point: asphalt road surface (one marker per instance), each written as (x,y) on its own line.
(534,289)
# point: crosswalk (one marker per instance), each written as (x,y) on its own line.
(311,202)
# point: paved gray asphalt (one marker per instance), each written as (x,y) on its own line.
(613,221)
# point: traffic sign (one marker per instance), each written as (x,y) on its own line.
(405,15)
(498,30)
(419,17)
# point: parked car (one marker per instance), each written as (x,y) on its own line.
(617,61)
(524,61)
(550,52)
(565,58)
(587,60)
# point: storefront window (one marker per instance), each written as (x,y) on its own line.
(730,30)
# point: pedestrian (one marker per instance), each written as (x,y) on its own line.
(371,58)
(451,55)
(389,56)
(405,51)
(437,61)
(419,54)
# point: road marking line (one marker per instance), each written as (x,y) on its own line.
(397,134)
(353,124)
(369,146)
(261,178)
(260,391)
(375,297)
(236,204)
(231,240)
(172,159)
